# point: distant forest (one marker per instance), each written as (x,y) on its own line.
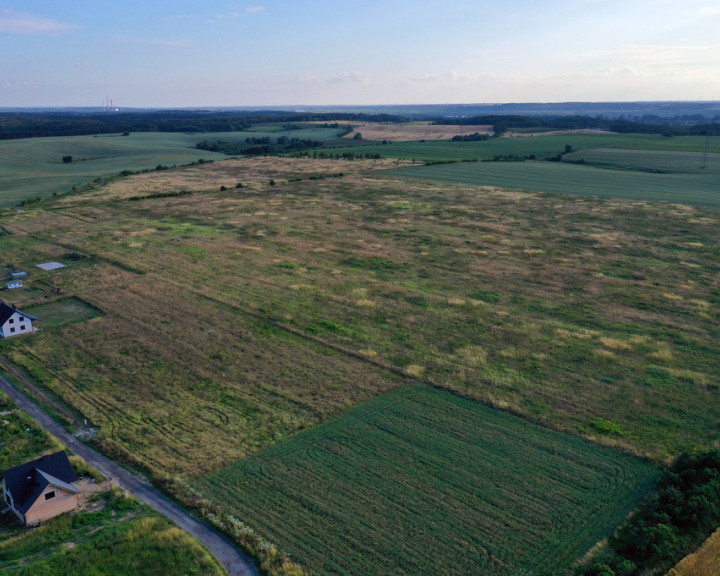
(40,124)
(649,125)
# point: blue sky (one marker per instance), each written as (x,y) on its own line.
(247,53)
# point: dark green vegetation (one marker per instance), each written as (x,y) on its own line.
(63,312)
(683,513)
(21,439)
(34,125)
(421,481)
(700,189)
(116,536)
(647,125)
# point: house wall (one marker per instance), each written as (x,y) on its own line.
(63,501)
(16,324)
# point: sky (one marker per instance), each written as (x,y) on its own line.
(204,53)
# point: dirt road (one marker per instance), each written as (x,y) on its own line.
(234,561)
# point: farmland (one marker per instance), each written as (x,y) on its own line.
(234,320)
(649,160)
(414,131)
(473,489)
(34,167)
(700,189)
(540,146)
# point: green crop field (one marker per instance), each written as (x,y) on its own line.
(649,160)
(421,481)
(33,167)
(560,178)
(63,312)
(540,146)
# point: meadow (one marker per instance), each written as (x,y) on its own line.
(422,481)
(237,318)
(699,189)
(663,161)
(34,167)
(541,146)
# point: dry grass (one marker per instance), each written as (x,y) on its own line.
(235,318)
(416,131)
(704,562)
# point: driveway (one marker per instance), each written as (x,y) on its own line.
(234,561)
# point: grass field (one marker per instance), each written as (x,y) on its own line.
(540,146)
(33,167)
(700,189)
(237,318)
(421,481)
(238,310)
(649,160)
(63,312)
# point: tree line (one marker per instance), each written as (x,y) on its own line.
(684,511)
(503,123)
(43,124)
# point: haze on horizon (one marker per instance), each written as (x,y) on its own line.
(317,52)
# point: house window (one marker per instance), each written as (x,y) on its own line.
(22,326)
(11,321)
(50,495)
(12,330)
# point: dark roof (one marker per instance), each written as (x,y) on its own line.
(6,311)
(27,481)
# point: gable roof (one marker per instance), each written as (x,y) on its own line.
(6,311)
(28,481)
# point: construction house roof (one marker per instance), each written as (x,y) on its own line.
(28,481)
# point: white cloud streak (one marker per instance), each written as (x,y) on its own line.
(20,23)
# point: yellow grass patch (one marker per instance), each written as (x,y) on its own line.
(416,131)
(414,370)
(473,355)
(704,562)
(615,344)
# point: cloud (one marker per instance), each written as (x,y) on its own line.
(21,23)
(254,10)
(150,41)
(711,10)
(344,77)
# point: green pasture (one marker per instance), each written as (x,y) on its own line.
(63,312)
(540,146)
(649,160)
(33,167)
(698,189)
(421,481)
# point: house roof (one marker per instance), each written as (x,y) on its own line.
(6,311)
(28,481)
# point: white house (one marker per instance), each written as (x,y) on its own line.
(13,322)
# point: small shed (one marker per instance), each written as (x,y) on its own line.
(41,489)
(14,284)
